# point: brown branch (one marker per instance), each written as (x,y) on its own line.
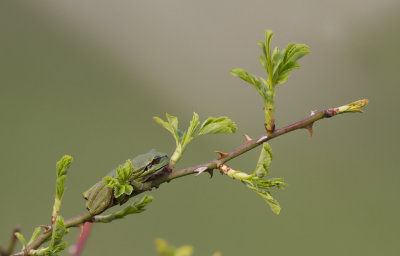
(3,252)
(250,144)
(73,222)
(13,241)
(214,164)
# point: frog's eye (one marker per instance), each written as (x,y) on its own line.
(156,160)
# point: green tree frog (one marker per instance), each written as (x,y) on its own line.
(99,197)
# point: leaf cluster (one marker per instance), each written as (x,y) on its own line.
(264,161)
(135,207)
(210,126)
(182,138)
(62,167)
(56,244)
(263,186)
(277,65)
(258,182)
(120,184)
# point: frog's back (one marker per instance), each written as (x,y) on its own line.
(138,162)
(141,161)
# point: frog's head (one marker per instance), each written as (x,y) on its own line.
(158,162)
(150,164)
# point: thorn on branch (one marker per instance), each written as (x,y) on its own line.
(200,170)
(247,138)
(221,154)
(46,228)
(309,129)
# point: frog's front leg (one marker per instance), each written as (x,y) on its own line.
(137,186)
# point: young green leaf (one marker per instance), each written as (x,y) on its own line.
(59,230)
(135,207)
(36,234)
(63,165)
(61,168)
(128,189)
(121,184)
(353,107)
(263,161)
(266,195)
(191,131)
(287,61)
(119,190)
(244,75)
(210,126)
(56,244)
(277,65)
(21,238)
(251,79)
(60,188)
(58,249)
(173,121)
(217,125)
(259,185)
(110,182)
(125,173)
(171,125)
(266,60)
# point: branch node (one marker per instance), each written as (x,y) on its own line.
(270,130)
(223,168)
(331,112)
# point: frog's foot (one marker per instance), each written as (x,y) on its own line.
(202,169)
(137,185)
(169,167)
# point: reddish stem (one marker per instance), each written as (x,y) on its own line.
(80,244)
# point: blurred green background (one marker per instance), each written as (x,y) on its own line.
(85,77)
